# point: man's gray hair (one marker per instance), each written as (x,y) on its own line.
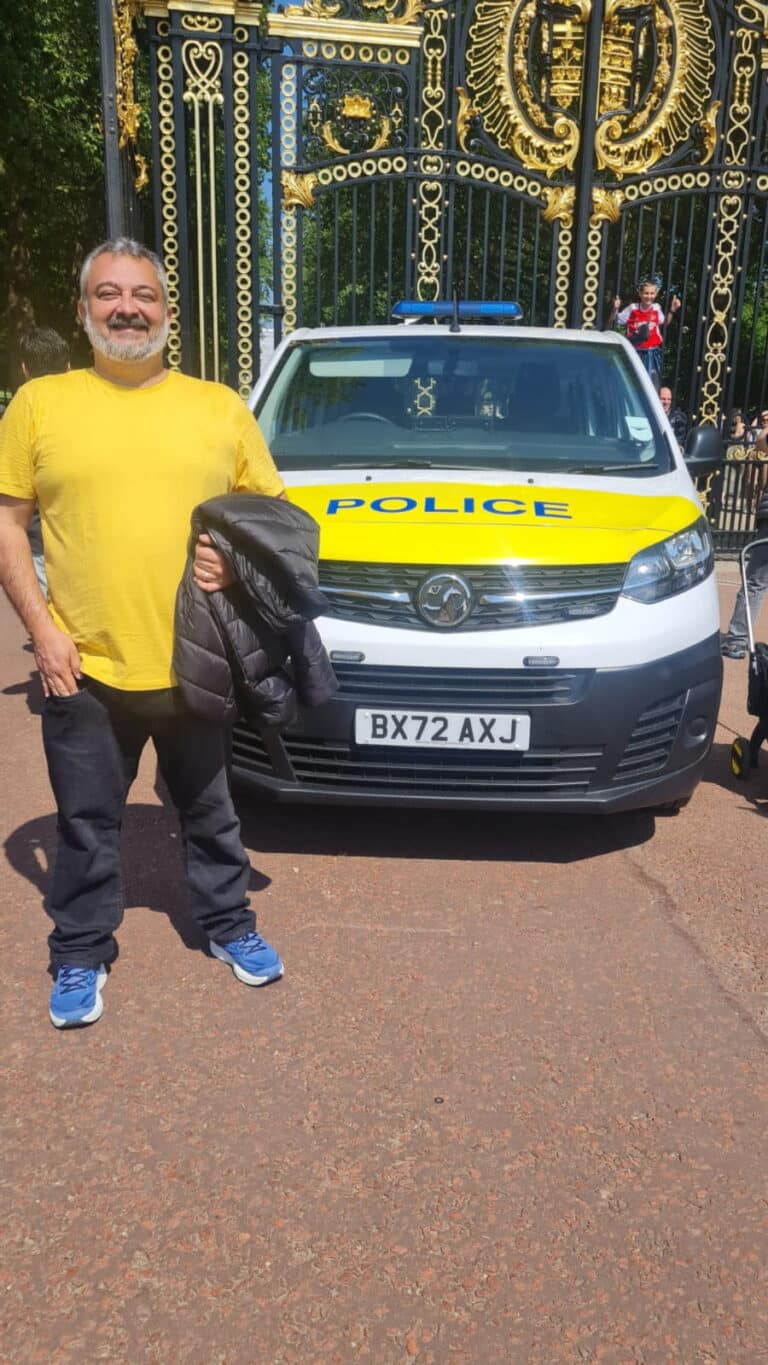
(123,246)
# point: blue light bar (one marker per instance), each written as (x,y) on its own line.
(443,308)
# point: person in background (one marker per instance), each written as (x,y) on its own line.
(645,323)
(736,428)
(760,429)
(678,420)
(41,351)
(735,641)
(117,457)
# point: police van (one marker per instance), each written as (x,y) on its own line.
(520,578)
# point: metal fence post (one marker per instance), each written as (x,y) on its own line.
(113,176)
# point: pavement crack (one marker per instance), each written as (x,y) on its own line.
(673,913)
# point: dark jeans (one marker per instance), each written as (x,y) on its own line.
(650,359)
(93,743)
(757,583)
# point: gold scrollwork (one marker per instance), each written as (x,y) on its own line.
(141,177)
(381,139)
(329,9)
(314,9)
(636,130)
(126,52)
(708,126)
(728,229)
(752,12)
(298,190)
(202,64)
(525,79)
(750,453)
(465,115)
(201,23)
(412,10)
(431,194)
(606,205)
(499,80)
(559,203)
(129,111)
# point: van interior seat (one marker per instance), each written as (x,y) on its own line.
(381,396)
(535,400)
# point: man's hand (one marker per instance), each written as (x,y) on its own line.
(212,571)
(57,659)
(674,304)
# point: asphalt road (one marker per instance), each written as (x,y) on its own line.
(507,1105)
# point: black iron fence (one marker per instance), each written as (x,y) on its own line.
(731,499)
(312,163)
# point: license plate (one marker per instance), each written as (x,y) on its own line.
(443,729)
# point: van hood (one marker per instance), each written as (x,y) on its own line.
(406,521)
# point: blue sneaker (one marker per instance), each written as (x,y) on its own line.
(76,996)
(251,958)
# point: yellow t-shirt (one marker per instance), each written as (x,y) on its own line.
(116,473)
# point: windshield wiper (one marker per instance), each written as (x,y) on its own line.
(632,468)
(401,464)
(365,463)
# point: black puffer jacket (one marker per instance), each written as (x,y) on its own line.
(253,649)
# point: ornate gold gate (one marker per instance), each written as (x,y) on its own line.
(312,165)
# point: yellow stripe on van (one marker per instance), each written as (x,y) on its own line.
(458,523)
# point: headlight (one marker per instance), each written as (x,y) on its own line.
(672,566)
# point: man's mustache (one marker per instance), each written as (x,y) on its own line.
(122,321)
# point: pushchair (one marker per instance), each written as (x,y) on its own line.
(745,752)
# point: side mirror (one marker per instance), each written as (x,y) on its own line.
(704,452)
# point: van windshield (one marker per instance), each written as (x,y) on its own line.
(424,398)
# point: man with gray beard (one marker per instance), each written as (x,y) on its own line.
(117,457)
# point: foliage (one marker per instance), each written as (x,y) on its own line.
(51,164)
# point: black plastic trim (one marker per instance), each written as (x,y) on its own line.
(632,739)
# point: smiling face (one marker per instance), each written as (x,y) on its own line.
(647,294)
(665,398)
(124,312)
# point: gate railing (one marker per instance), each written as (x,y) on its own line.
(732,498)
(312,161)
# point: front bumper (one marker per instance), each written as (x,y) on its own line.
(608,739)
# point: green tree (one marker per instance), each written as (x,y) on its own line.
(51,164)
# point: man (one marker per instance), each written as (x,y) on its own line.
(734,642)
(41,351)
(760,430)
(117,457)
(676,417)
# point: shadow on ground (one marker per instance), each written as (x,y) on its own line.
(31,690)
(484,836)
(153,873)
(753,789)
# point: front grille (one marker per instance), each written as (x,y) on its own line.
(384,594)
(485,689)
(650,743)
(337,765)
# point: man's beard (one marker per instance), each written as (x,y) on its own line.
(151,345)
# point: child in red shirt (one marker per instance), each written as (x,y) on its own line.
(644,321)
